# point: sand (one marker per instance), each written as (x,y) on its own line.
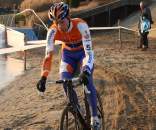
(125,78)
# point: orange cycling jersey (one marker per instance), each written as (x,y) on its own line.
(73,36)
(76,38)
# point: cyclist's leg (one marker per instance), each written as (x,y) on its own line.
(92,96)
(67,68)
(95,122)
(91,88)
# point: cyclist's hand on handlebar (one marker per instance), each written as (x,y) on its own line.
(41,84)
(84,77)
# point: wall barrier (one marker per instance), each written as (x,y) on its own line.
(10,37)
(15,38)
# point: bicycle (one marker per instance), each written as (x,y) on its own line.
(72,117)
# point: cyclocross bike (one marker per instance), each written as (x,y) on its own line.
(74,115)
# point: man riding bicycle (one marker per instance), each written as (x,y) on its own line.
(77,53)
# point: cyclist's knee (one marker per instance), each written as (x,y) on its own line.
(66,69)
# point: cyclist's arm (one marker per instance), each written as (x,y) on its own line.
(46,66)
(87,44)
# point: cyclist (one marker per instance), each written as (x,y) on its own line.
(76,53)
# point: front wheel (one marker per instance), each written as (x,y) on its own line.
(100,112)
(69,120)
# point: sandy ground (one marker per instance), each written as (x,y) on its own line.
(125,78)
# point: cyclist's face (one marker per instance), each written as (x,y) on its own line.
(63,24)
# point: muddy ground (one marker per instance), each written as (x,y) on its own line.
(124,76)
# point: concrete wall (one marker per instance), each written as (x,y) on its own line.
(107,15)
(111,17)
(11,37)
(15,38)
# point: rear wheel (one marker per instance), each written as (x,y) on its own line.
(69,120)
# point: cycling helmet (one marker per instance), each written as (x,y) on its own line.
(58,11)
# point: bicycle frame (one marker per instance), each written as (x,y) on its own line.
(73,104)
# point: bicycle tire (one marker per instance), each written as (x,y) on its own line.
(69,124)
(100,111)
